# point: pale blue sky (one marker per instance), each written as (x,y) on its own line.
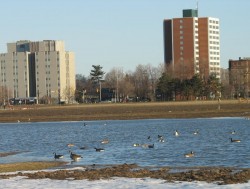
(119,33)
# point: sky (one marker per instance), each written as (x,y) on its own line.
(119,33)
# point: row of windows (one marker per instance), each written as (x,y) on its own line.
(214,27)
(214,42)
(215,48)
(214,37)
(214,52)
(215,63)
(214,58)
(213,32)
(47,59)
(214,68)
(214,21)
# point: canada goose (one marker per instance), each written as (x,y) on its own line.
(83,147)
(191,154)
(57,156)
(75,157)
(161,140)
(196,132)
(151,145)
(136,145)
(148,145)
(234,140)
(176,133)
(70,145)
(99,149)
(233,132)
(105,141)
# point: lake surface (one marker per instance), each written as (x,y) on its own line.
(212,146)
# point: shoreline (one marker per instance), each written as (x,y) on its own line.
(217,175)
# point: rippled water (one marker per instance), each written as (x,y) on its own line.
(212,146)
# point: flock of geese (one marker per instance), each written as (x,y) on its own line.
(77,157)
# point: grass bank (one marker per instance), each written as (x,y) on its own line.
(124,111)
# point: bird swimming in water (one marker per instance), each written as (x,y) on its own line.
(176,133)
(235,140)
(99,149)
(57,156)
(191,154)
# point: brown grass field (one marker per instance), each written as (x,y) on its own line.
(125,111)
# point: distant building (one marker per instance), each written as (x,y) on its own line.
(192,45)
(42,69)
(239,77)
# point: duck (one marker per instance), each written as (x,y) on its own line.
(75,157)
(57,156)
(191,154)
(99,149)
(235,140)
(176,133)
(105,141)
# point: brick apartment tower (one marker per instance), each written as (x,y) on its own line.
(192,45)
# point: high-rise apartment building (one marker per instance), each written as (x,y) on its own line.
(192,45)
(43,70)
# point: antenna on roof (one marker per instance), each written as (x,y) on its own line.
(197,6)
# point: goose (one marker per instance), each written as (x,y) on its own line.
(136,145)
(161,140)
(233,132)
(191,154)
(196,132)
(70,145)
(105,141)
(99,149)
(151,145)
(176,133)
(234,140)
(57,156)
(75,157)
(148,145)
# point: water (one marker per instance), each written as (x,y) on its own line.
(212,146)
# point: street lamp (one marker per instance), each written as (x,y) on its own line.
(100,82)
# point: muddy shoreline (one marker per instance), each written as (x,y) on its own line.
(218,175)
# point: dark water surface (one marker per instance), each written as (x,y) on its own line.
(212,146)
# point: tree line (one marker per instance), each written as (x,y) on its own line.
(146,83)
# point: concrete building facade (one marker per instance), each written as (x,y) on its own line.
(192,45)
(43,70)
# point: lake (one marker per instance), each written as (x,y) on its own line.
(212,145)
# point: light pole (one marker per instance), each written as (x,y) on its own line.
(100,82)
